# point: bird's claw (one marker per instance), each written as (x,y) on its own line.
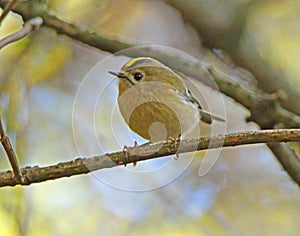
(126,151)
(176,143)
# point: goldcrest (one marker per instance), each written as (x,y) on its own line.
(155,102)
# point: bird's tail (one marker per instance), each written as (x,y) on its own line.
(208,117)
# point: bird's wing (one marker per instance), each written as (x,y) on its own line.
(206,116)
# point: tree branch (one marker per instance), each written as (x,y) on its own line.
(5,141)
(149,151)
(10,5)
(288,159)
(29,26)
(255,100)
(264,108)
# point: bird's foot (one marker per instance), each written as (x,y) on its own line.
(126,151)
(176,143)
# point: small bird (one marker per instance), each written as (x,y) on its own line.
(155,102)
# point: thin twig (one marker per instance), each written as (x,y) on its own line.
(5,141)
(265,111)
(256,101)
(7,9)
(148,151)
(29,26)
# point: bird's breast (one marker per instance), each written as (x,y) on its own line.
(156,112)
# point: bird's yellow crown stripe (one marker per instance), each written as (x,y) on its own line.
(137,61)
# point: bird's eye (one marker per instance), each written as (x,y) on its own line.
(137,76)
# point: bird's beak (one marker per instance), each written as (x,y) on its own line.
(121,76)
(118,74)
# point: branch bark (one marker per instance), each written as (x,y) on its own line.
(149,151)
(288,159)
(28,27)
(265,110)
(255,100)
(10,5)
(5,141)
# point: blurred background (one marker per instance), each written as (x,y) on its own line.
(58,102)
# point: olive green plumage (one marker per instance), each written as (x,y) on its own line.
(155,102)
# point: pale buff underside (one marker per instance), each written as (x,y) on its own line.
(155,111)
